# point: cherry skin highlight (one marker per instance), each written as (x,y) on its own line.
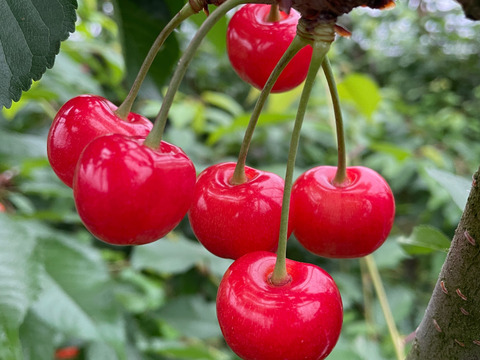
(255,45)
(129,194)
(232,220)
(347,221)
(260,321)
(79,121)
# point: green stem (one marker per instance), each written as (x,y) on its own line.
(340,178)
(155,137)
(239,174)
(274,14)
(387,312)
(320,49)
(126,106)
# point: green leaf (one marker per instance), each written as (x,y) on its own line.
(15,147)
(20,267)
(142,21)
(217,35)
(223,101)
(30,38)
(174,255)
(77,295)
(241,122)
(362,91)
(425,240)
(192,316)
(37,339)
(458,187)
(191,350)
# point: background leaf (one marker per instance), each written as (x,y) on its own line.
(424,240)
(362,91)
(19,272)
(457,186)
(30,38)
(137,40)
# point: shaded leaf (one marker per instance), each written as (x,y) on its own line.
(30,38)
(425,240)
(142,21)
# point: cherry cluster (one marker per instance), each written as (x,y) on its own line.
(132,188)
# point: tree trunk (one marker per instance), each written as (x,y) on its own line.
(450,329)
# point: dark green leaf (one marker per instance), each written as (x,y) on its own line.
(142,21)
(30,37)
(425,240)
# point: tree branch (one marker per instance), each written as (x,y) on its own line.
(450,328)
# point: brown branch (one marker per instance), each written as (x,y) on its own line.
(450,328)
(471,8)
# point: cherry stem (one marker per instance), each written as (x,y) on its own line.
(340,178)
(371,265)
(320,49)
(155,137)
(274,14)
(126,106)
(296,45)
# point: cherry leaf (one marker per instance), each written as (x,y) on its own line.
(30,38)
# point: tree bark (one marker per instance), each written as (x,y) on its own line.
(450,329)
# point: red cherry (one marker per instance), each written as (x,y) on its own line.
(129,194)
(260,321)
(68,352)
(79,121)
(346,221)
(254,46)
(232,220)
(2,208)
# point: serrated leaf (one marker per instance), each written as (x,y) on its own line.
(362,91)
(425,240)
(458,187)
(176,255)
(20,267)
(30,38)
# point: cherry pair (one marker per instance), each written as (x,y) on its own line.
(126,193)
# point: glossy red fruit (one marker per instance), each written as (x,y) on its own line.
(254,46)
(129,194)
(261,321)
(342,221)
(232,220)
(79,121)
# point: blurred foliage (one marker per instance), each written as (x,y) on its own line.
(408,79)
